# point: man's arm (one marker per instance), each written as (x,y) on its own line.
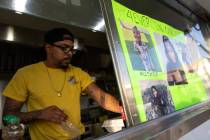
(104,99)
(125,27)
(52,113)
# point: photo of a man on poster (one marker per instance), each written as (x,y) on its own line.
(157,99)
(143,48)
(158,102)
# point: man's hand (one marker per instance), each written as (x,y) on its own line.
(53,114)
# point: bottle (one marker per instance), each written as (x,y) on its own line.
(71,129)
(12,130)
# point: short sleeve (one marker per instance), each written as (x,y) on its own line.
(17,88)
(85,79)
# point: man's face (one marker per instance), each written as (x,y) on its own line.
(137,34)
(61,53)
(154,91)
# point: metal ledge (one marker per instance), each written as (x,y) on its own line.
(170,127)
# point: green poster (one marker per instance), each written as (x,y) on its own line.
(162,72)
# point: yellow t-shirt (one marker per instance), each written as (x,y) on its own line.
(36,84)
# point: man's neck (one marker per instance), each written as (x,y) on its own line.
(50,64)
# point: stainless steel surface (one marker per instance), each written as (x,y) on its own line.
(121,72)
(170,127)
(87,13)
(27,26)
(205,28)
(82,16)
(204,4)
(81,13)
(189,9)
(21,35)
(42,15)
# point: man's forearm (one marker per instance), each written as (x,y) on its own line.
(26,117)
(104,99)
(111,104)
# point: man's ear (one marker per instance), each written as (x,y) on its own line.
(47,47)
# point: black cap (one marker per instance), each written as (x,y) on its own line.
(165,38)
(58,34)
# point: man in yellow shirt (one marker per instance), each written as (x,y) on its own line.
(51,90)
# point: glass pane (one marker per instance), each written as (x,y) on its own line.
(168,67)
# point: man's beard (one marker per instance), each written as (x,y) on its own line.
(65,64)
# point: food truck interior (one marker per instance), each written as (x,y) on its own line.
(21,43)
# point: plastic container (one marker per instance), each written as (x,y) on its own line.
(13,130)
(113,125)
(71,130)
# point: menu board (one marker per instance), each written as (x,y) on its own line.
(162,66)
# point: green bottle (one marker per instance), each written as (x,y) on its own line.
(12,130)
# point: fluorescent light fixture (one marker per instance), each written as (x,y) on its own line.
(17,12)
(62,1)
(99,25)
(10,34)
(76,2)
(76,44)
(19,5)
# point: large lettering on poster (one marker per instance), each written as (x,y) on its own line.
(161,66)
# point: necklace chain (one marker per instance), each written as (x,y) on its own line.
(59,92)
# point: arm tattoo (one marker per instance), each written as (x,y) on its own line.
(13,107)
(31,116)
(97,94)
(90,91)
(105,100)
(102,99)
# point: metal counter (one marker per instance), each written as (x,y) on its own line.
(170,127)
